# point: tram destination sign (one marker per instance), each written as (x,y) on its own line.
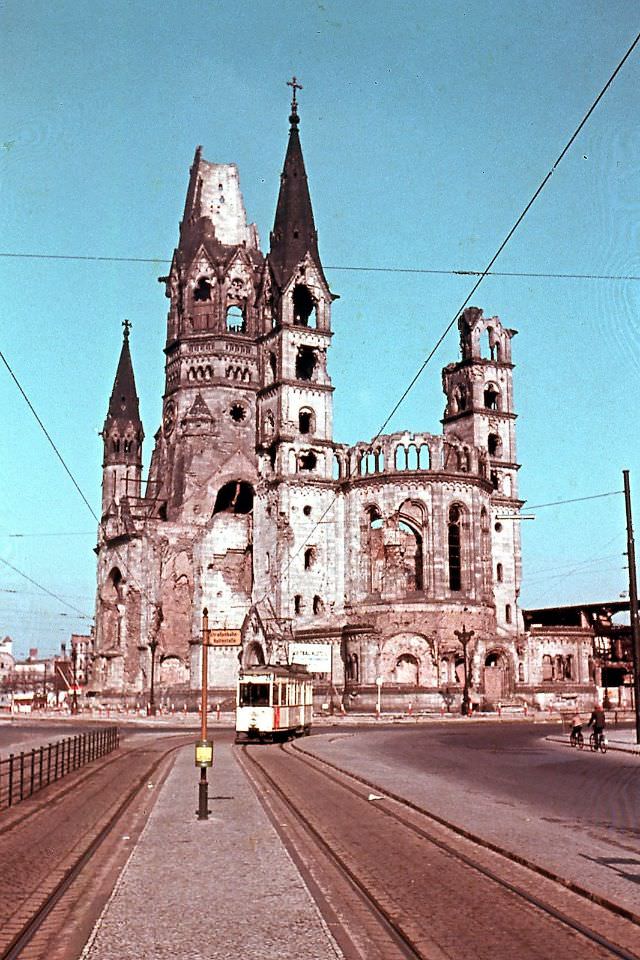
(224,638)
(316,657)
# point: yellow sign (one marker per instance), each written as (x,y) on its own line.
(204,753)
(224,638)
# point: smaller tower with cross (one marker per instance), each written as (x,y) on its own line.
(122,435)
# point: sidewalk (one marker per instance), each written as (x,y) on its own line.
(210,890)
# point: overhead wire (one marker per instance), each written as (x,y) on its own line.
(100,523)
(451,272)
(44,589)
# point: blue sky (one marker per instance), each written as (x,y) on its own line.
(426,127)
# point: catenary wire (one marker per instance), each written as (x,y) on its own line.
(559,503)
(451,272)
(35,583)
(100,523)
(510,234)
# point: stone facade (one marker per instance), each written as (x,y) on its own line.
(252,510)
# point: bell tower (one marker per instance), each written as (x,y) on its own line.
(295,413)
(480,411)
(122,434)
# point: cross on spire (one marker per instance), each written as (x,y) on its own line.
(126,324)
(293,83)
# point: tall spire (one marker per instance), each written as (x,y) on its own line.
(123,404)
(294,231)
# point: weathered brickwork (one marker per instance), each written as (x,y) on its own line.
(252,510)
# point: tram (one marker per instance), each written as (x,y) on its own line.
(273,702)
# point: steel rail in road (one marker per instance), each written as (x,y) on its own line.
(404,947)
(399,810)
(30,927)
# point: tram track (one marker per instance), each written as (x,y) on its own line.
(433,873)
(44,883)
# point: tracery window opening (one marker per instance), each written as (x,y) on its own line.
(235,319)
(234,497)
(455,549)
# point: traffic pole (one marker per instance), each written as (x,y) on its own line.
(633,602)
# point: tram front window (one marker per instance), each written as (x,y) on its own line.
(254,695)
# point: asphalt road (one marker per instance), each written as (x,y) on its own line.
(513,762)
(574,813)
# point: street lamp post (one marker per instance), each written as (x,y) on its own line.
(204,746)
(464,636)
(74,663)
(153,646)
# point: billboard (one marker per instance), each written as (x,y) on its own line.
(316,657)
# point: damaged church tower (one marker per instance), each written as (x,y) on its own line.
(374,554)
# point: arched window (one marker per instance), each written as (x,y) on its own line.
(309,557)
(306,421)
(455,548)
(303,305)
(297,603)
(234,497)
(507,613)
(547,668)
(318,606)
(491,397)
(486,549)
(400,459)
(499,573)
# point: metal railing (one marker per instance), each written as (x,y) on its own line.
(23,774)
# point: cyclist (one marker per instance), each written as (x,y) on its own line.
(576,728)
(597,718)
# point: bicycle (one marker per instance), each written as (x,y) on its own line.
(598,741)
(576,739)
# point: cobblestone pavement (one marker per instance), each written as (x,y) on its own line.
(219,889)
